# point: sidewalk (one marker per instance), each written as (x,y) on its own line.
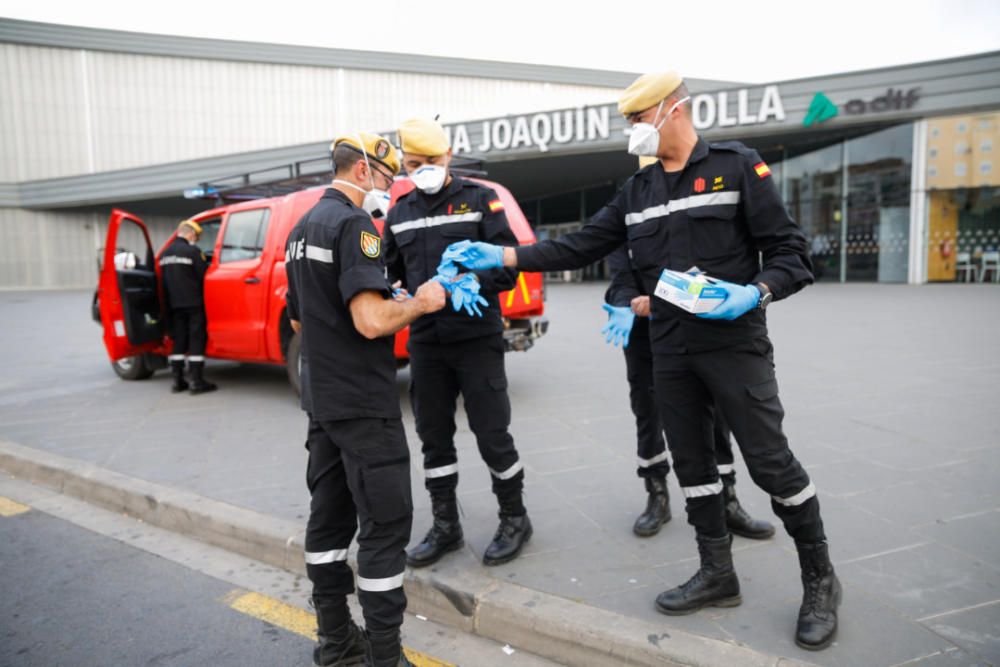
(894,416)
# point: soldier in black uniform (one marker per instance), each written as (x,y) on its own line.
(183,267)
(714,206)
(450,352)
(359,464)
(627,300)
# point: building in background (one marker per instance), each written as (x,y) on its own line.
(890,171)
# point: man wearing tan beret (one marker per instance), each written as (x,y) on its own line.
(714,207)
(451,352)
(358,471)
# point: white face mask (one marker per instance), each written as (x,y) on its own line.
(429,178)
(645,137)
(376,202)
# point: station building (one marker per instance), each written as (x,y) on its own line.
(893,173)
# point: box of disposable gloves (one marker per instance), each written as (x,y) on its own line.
(693,291)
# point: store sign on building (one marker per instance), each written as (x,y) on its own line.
(540,131)
(893,100)
(821,109)
(716,110)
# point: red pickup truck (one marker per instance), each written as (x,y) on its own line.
(245,287)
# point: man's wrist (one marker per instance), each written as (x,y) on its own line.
(509,257)
(764,295)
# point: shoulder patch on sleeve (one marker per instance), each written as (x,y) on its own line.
(762,169)
(371,245)
(495,205)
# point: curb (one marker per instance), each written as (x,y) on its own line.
(457,594)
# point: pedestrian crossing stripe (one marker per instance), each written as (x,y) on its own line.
(10,508)
(299,621)
(523,284)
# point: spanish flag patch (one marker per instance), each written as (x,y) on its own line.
(762,169)
(496,205)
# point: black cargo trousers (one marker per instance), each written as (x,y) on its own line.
(738,381)
(189,330)
(651,456)
(359,473)
(474,367)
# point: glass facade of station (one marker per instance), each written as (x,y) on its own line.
(853,200)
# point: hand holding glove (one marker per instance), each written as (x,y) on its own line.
(464,292)
(619,326)
(474,255)
(740,299)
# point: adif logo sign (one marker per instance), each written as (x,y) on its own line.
(715,110)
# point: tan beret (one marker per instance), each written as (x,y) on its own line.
(648,91)
(419,136)
(376,146)
(193,225)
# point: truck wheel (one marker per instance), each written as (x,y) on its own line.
(293,361)
(132,368)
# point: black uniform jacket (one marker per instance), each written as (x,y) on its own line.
(724,215)
(418,229)
(333,254)
(625,285)
(182,267)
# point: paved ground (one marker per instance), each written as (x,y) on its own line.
(892,401)
(98,589)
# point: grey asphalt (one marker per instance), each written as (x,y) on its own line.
(891,394)
(86,587)
(73,597)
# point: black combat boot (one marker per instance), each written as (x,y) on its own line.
(821,594)
(738,520)
(445,534)
(340,643)
(657,508)
(180,384)
(385,650)
(714,584)
(513,532)
(198,383)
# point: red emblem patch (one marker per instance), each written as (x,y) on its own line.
(699,185)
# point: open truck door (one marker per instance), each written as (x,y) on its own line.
(128,296)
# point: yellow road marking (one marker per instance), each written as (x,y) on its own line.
(300,621)
(10,508)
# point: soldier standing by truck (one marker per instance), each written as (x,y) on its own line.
(451,353)
(183,269)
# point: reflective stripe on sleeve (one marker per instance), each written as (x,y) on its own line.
(646,463)
(381,585)
(674,205)
(173,259)
(435,221)
(726,468)
(799,498)
(324,255)
(702,490)
(325,557)
(509,472)
(443,471)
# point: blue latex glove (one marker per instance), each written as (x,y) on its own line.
(619,326)
(464,292)
(398,291)
(740,299)
(475,255)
